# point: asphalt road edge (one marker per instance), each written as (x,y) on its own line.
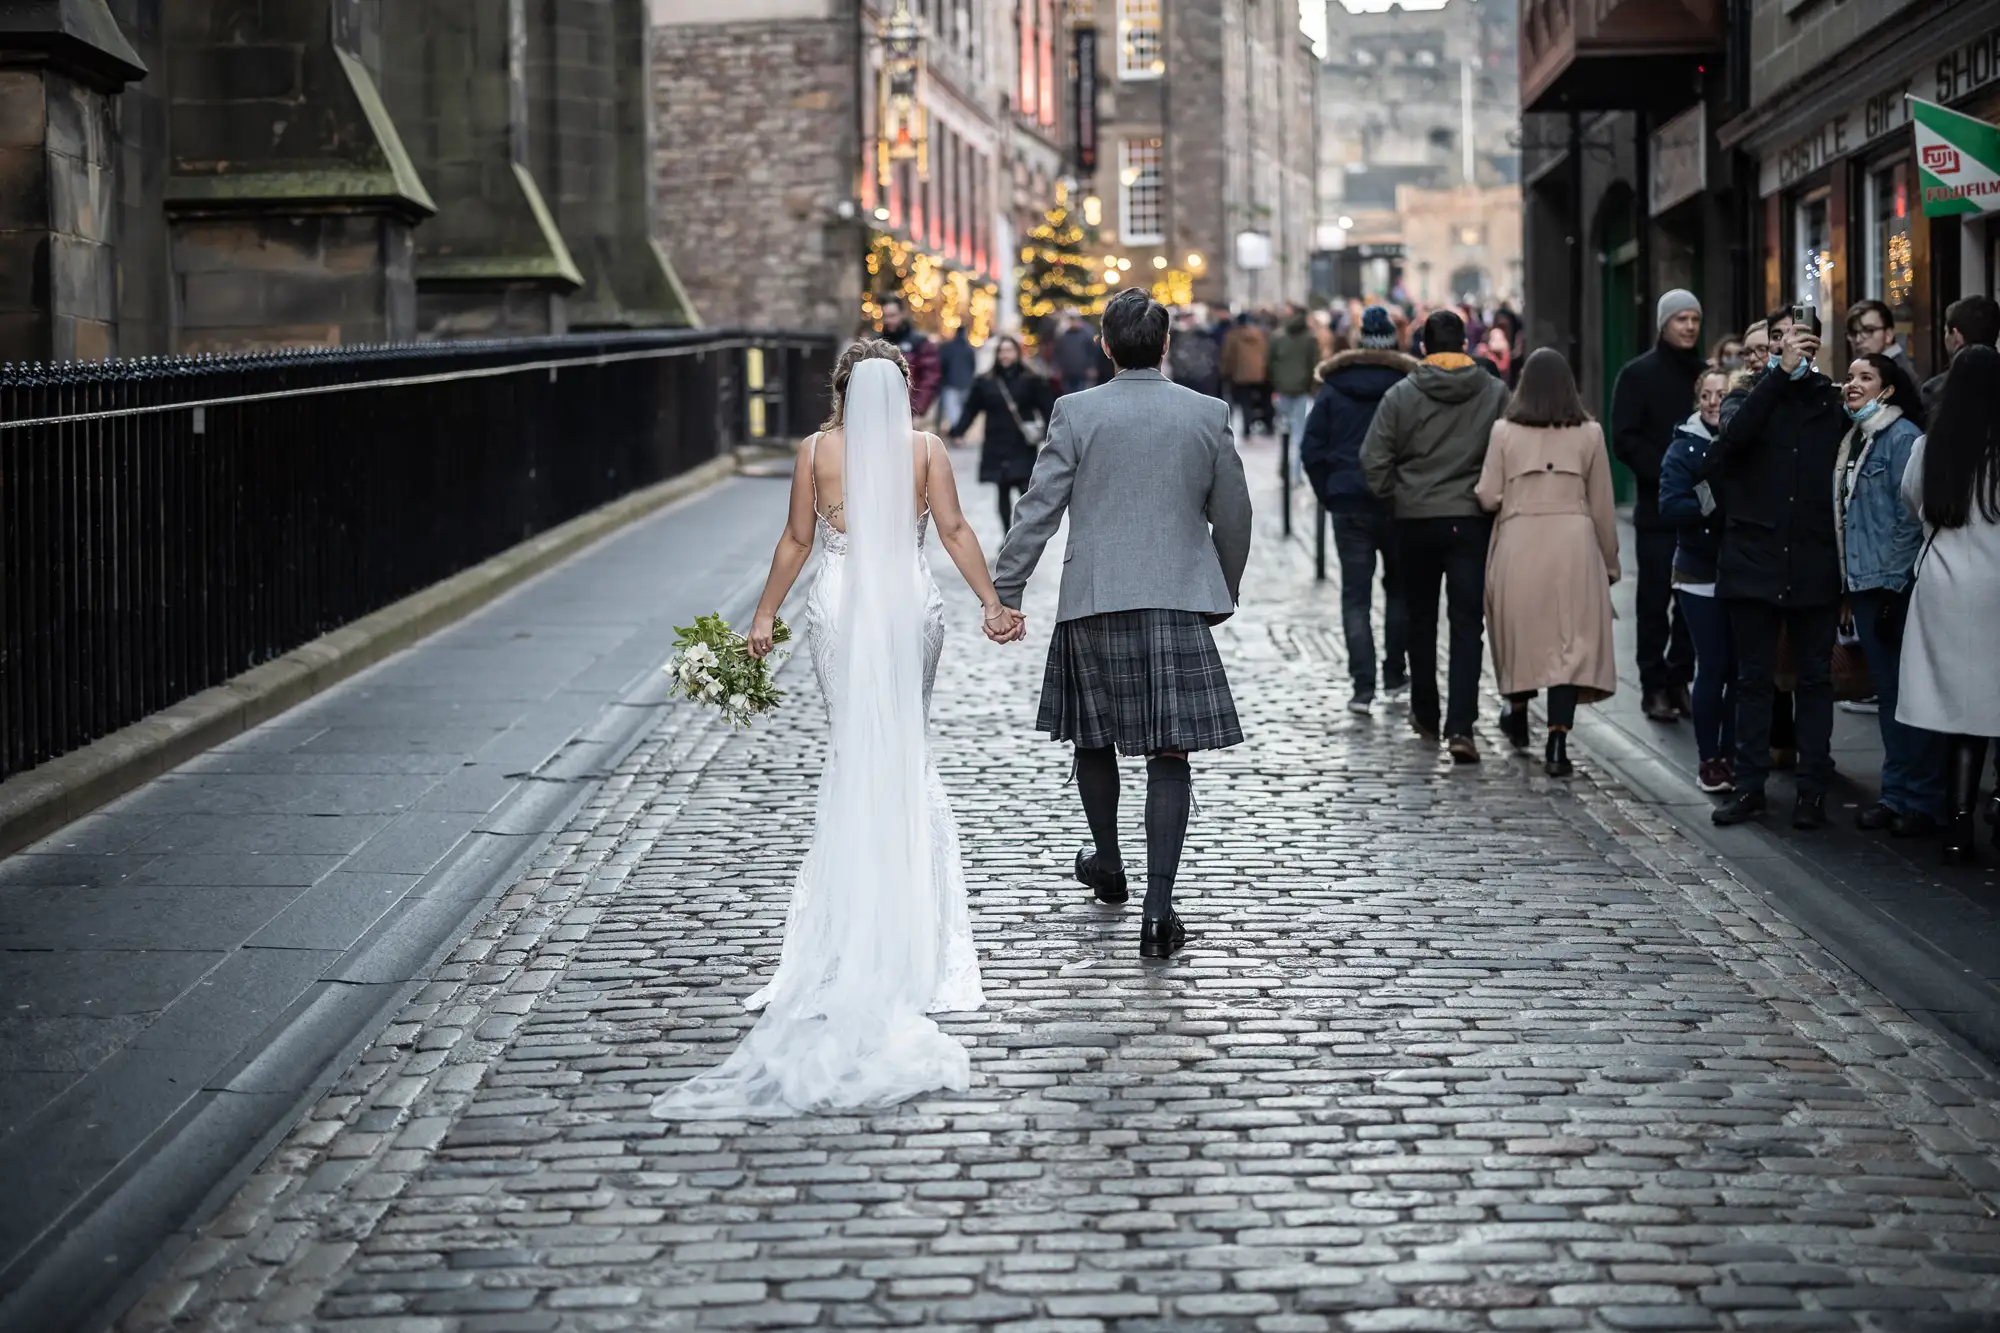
(41,800)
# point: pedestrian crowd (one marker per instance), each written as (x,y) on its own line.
(1798,540)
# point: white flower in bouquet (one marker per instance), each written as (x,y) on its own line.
(712,665)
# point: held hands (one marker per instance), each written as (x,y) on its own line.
(1003,624)
(762,628)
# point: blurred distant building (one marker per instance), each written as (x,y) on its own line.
(1195,163)
(1419,116)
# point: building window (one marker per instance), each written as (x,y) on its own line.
(1031,80)
(1140,55)
(1142,201)
(1047,50)
(1812,254)
(1891,257)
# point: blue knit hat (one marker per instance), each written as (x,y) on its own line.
(1377,329)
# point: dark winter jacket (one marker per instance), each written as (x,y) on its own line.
(1427,445)
(1772,470)
(1652,397)
(1076,359)
(1351,388)
(922,355)
(957,362)
(1688,502)
(1293,357)
(1006,457)
(1194,358)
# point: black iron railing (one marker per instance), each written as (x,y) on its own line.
(166,524)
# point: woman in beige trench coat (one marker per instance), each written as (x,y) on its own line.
(1554,555)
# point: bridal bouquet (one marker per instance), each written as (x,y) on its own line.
(712,665)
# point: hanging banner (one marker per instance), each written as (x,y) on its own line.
(1083,102)
(1958,161)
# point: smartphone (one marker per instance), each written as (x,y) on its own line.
(1807,315)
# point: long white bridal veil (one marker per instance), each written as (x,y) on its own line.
(846,1029)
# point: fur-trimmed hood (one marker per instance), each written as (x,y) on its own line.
(1384,358)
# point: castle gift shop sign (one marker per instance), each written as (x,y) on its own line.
(1944,78)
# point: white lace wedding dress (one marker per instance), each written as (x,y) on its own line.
(878,935)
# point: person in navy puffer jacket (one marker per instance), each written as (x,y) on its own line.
(1689,504)
(1351,387)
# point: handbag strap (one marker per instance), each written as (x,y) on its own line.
(1013,408)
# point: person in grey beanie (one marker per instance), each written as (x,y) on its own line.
(1650,400)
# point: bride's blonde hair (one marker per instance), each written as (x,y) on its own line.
(866,349)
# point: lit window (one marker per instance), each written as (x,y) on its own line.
(1142,202)
(1140,55)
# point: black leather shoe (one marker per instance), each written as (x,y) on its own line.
(1741,808)
(1108,885)
(1683,700)
(1514,726)
(1555,755)
(1658,705)
(1161,937)
(1876,818)
(1809,811)
(1918,825)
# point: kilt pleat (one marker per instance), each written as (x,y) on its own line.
(1143,681)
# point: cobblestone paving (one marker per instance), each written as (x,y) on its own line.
(1451,1050)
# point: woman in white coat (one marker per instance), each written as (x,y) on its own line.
(1952,639)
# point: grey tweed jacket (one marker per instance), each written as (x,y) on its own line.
(1159,513)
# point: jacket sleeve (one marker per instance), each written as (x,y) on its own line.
(1039,512)
(1603,503)
(1493,475)
(1740,431)
(924,377)
(975,404)
(1677,478)
(1316,446)
(1378,451)
(1229,510)
(1630,434)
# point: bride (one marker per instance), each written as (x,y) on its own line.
(878,936)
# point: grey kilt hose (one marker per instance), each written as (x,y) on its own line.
(1143,681)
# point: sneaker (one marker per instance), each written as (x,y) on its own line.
(1869,705)
(1361,705)
(1464,750)
(1713,776)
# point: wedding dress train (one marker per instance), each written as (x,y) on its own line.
(878,935)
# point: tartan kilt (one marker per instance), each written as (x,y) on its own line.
(1143,681)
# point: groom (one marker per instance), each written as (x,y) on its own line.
(1159,529)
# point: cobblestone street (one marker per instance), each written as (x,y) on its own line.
(1449,1050)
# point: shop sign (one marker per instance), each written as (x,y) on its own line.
(1083,101)
(1679,160)
(1958,161)
(1951,77)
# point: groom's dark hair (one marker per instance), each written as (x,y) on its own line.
(1135,330)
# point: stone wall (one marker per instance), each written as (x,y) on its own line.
(753,140)
(58,218)
(1789,39)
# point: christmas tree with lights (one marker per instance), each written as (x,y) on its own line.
(1055,273)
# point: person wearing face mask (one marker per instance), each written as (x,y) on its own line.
(1727,355)
(1779,567)
(1690,504)
(1879,539)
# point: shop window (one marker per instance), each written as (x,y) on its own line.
(1142,202)
(1812,255)
(1140,55)
(1891,275)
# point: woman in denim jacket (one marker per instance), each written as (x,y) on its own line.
(1688,503)
(1880,539)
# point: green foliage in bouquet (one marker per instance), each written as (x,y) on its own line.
(712,665)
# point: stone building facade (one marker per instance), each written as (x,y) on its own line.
(1206,147)
(183,176)
(775,192)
